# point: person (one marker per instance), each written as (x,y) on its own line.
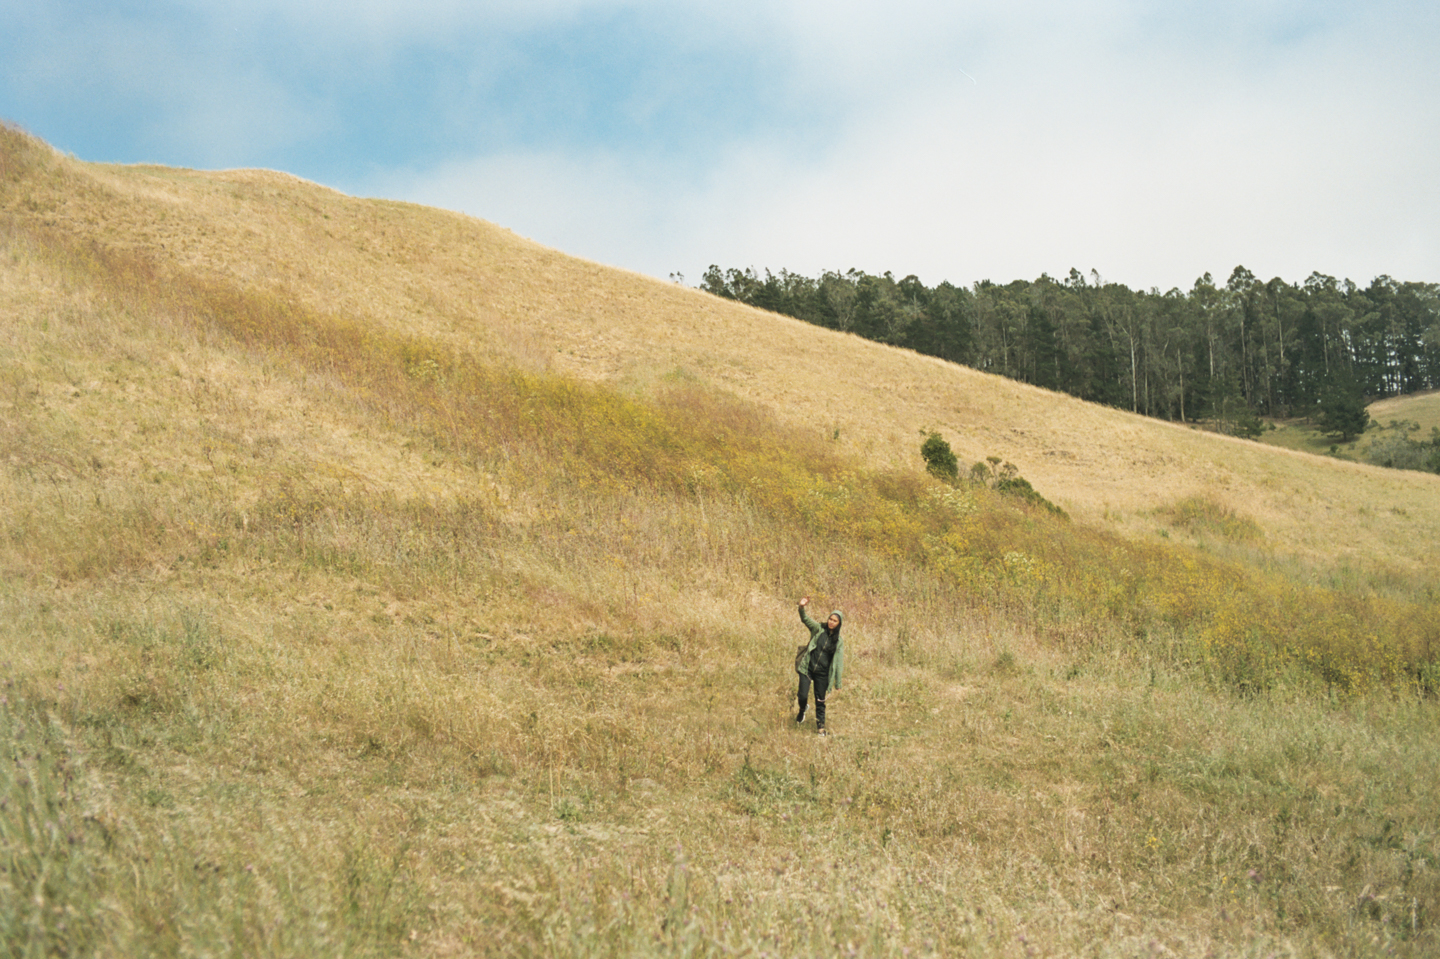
(819,663)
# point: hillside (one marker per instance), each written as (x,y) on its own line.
(475,286)
(1422,409)
(378,582)
(1413,416)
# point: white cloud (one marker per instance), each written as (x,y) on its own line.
(1078,144)
(960,141)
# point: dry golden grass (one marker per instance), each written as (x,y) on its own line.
(333,667)
(480,288)
(1422,409)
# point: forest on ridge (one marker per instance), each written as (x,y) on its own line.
(1228,353)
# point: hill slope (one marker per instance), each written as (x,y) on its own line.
(479,287)
(1412,417)
(378,582)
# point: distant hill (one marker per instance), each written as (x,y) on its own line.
(1413,417)
(1421,411)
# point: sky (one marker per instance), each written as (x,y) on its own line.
(1150,142)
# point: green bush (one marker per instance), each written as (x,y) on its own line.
(939,458)
(1006,479)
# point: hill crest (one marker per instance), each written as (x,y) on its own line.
(480,288)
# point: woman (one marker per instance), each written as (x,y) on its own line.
(819,663)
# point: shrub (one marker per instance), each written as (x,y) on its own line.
(1398,451)
(1006,479)
(939,458)
(1199,514)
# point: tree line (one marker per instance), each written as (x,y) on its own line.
(1226,353)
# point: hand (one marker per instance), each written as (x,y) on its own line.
(805,601)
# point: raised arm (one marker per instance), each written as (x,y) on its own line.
(810,624)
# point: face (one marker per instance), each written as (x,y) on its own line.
(833,621)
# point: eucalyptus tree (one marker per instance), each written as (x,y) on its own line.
(1121,317)
(839,298)
(945,327)
(1325,336)
(1173,338)
(998,323)
(1280,314)
(1413,320)
(1240,298)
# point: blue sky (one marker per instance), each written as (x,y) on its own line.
(994,140)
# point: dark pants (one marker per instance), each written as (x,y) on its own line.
(822,685)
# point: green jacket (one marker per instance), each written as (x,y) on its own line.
(822,642)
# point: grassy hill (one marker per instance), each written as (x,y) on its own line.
(1421,409)
(1414,417)
(377,582)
